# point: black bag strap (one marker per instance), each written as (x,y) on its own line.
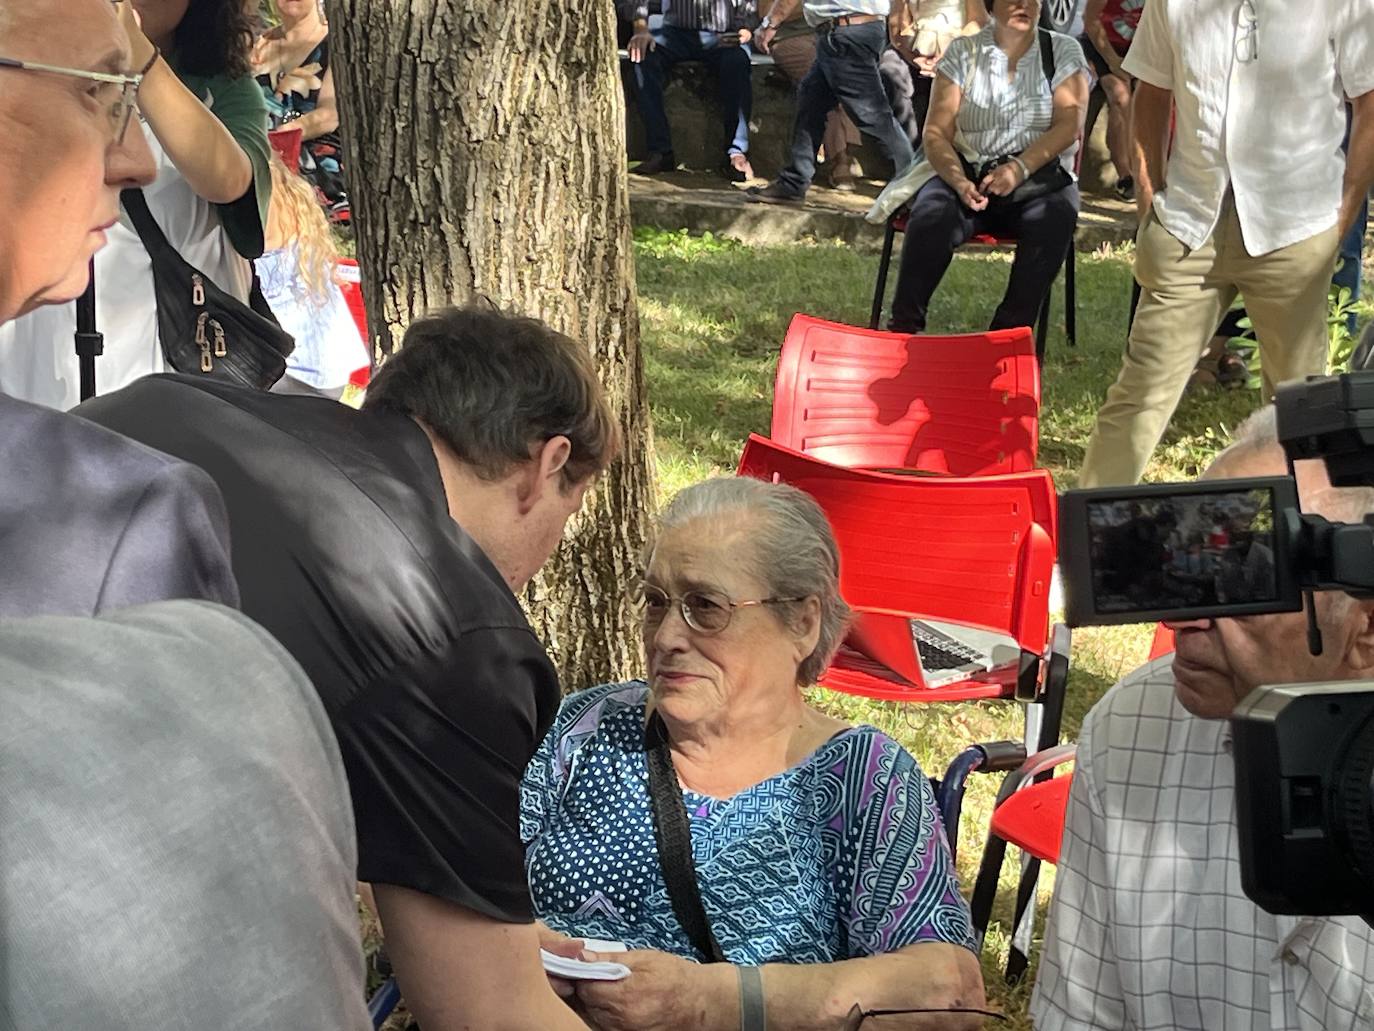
(674,839)
(1047,56)
(154,239)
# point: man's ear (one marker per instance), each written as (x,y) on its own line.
(543,472)
(1360,656)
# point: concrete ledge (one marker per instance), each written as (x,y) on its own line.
(701,203)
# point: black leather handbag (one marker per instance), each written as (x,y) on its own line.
(205,331)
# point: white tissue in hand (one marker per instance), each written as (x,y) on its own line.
(577,970)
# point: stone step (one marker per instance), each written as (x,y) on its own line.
(702,202)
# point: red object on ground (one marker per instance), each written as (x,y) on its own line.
(965,404)
(973,551)
(350,281)
(1163,643)
(1033,818)
(286,141)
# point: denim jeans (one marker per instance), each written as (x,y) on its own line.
(729,65)
(846,71)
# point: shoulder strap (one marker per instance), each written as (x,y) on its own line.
(1047,56)
(154,240)
(674,839)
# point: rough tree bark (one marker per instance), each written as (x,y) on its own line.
(485,144)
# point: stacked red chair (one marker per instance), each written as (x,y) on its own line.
(961,405)
(922,451)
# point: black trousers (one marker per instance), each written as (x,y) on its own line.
(939,224)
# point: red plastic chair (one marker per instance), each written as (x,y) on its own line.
(1163,643)
(966,405)
(897,224)
(976,552)
(350,280)
(1028,813)
(286,141)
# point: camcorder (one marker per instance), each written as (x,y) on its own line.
(1304,753)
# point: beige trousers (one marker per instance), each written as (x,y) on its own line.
(1183,296)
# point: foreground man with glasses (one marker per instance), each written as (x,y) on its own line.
(826,888)
(1247,193)
(175,842)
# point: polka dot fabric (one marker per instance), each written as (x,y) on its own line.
(841,856)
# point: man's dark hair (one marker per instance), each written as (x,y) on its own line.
(215,37)
(491,385)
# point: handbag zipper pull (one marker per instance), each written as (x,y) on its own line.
(220,349)
(201,340)
(206,362)
(197,290)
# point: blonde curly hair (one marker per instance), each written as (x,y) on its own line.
(295,215)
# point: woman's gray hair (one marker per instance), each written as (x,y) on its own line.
(794,552)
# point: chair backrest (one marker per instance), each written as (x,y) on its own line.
(966,405)
(977,552)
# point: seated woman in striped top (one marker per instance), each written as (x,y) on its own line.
(1005,114)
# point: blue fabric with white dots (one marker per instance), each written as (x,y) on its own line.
(839,857)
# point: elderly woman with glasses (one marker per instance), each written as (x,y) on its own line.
(821,864)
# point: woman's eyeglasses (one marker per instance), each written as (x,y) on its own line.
(122,104)
(704,611)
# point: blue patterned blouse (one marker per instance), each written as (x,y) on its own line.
(839,857)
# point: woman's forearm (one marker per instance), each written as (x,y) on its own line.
(942,156)
(318,122)
(1050,144)
(197,143)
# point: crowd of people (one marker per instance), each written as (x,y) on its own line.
(225,720)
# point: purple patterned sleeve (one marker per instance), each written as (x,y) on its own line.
(895,877)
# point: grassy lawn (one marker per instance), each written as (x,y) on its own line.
(713,315)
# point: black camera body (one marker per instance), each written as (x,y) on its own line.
(1304,753)
(1304,757)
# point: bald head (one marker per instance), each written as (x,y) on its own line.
(1255,451)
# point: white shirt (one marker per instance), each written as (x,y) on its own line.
(1149,928)
(329,348)
(1270,127)
(37,353)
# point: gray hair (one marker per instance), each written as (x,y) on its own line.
(1259,434)
(794,553)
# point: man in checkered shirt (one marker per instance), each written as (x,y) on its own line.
(1149,928)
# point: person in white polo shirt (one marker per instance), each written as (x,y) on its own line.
(1253,198)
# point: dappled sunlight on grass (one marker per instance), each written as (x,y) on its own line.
(713,316)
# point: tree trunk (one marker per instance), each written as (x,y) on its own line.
(485,149)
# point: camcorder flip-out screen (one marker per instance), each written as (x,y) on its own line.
(1177,551)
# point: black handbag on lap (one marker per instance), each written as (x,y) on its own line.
(203,330)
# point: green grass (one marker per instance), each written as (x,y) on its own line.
(713,314)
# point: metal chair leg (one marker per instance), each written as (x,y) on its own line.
(880,289)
